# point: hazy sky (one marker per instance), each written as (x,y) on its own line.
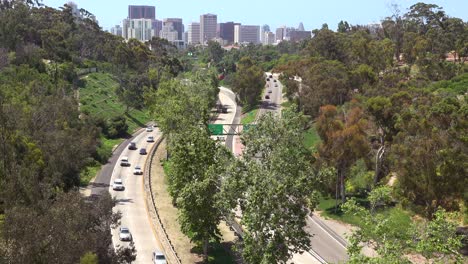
(313,13)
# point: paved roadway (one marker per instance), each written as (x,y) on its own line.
(273,104)
(132,201)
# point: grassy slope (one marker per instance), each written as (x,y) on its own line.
(327,206)
(311,138)
(98,99)
(249,117)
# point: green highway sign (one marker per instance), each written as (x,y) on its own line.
(216,129)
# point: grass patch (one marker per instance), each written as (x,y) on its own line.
(104,152)
(311,139)
(286,104)
(89,173)
(400,218)
(98,99)
(249,117)
(218,253)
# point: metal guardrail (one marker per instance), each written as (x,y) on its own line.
(168,247)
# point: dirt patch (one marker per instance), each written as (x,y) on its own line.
(168,213)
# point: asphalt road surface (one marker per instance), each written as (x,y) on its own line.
(132,201)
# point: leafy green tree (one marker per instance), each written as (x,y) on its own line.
(344,141)
(194,179)
(248,82)
(436,239)
(429,152)
(273,186)
(325,82)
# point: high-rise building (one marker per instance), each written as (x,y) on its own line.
(226,31)
(193,33)
(280,33)
(299,35)
(300,27)
(208,25)
(168,32)
(265,28)
(157,26)
(177,25)
(141,11)
(116,30)
(269,38)
(141,29)
(246,34)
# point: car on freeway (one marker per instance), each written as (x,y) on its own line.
(124,234)
(158,258)
(270,91)
(149,129)
(124,162)
(118,185)
(274,80)
(137,170)
(268,79)
(132,146)
(271,76)
(150,139)
(143,151)
(267,96)
(276,85)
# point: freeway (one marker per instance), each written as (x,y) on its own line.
(131,202)
(273,104)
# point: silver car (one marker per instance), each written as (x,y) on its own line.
(158,258)
(118,185)
(138,170)
(124,234)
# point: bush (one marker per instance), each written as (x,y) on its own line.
(117,127)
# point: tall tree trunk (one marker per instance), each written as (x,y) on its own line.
(378,163)
(342,185)
(205,249)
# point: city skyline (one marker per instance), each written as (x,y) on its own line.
(311,13)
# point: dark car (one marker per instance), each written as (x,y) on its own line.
(271,76)
(267,96)
(132,146)
(143,151)
(274,80)
(268,79)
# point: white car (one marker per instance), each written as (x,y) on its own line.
(149,129)
(118,185)
(124,234)
(150,139)
(124,162)
(138,170)
(158,258)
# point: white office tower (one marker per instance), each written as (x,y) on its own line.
(193,33)
(168,32)
(141,29)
